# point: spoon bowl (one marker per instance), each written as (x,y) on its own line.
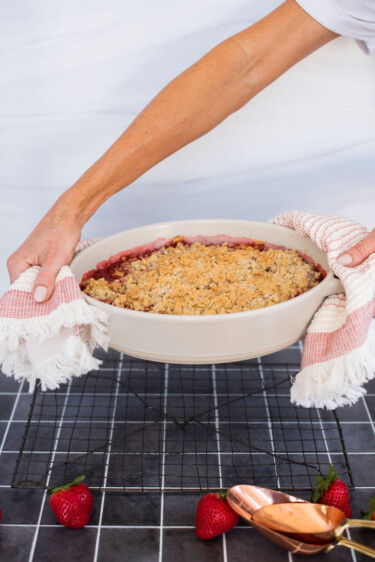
(314,524)
(245,499)
(250,502)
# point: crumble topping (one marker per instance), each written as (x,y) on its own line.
(199,279)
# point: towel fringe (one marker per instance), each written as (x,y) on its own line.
(337,382)
(13,331)
(75,358)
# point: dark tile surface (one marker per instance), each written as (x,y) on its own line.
(183,545)
(175,514)
(59,544)
(363,536)
(20,507)
(133,545)
(363,470)
(7,466)
(246,544)
(23,407)
(132,509)
(8,384)
(15,543)
(126,401)
(6,405)
(359,438)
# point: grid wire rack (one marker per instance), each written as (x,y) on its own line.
(141,426)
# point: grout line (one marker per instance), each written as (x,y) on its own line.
(88,526)
(35,538)
(222,422)
(206,367)
(269,419)
(225,556)
(153,394)
(136,489)
(354,556)
(11,417)
(153,453)
(217,427)
(118,377)
(368,413)
(165,403)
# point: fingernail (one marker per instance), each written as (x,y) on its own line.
(345,259)
(40,293)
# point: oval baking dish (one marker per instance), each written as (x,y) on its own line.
(216,338)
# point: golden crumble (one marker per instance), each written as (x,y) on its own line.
(199,279)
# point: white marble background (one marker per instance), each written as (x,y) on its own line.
(73,75)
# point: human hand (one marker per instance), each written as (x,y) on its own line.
(359,252)
(51,245)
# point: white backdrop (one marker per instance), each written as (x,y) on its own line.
(74,74)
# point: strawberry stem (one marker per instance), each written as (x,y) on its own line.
(323,483)
(65,486)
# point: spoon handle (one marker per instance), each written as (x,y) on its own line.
(362,548)
(360,523)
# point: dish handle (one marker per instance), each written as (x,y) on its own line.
(333,286)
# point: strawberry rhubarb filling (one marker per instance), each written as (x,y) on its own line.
(202,275)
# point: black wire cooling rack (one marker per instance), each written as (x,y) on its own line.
(144,426)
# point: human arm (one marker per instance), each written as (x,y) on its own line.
(191,105)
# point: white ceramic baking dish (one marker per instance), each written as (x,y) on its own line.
(212,338)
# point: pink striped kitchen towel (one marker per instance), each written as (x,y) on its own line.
(51,341)
(339,351)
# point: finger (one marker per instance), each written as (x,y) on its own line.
(15,267)
(359,252)
(44,283)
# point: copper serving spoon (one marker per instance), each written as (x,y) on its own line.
(245,500)
(313,524)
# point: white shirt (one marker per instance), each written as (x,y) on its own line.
(351,18)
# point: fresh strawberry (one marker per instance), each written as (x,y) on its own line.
(370,513)
(214,516)
(72,503)
(332,491)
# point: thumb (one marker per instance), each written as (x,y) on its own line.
(44,283)
(359,252)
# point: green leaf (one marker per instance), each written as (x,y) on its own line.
(65,486)
(369,513)
(316,495)
(323,483)
(332,476)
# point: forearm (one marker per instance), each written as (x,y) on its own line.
(188,107)
(197,100)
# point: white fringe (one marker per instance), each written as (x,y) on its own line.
(75,358)
(337,382)
(14,331)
